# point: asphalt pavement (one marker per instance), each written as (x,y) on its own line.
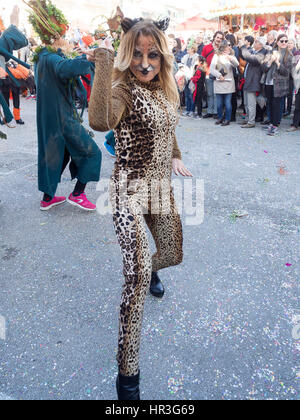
(228,325)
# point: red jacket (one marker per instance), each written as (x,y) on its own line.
(206,53)
(88,88)
(195,80)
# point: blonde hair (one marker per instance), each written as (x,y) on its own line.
(193,47)
(125,56)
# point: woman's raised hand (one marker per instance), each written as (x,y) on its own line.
(90,54)
(106,44)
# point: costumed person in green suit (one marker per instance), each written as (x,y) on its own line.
(61,136)
(11,40)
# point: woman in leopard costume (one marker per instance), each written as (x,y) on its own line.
(136,95)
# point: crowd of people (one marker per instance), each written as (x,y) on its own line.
(262,73)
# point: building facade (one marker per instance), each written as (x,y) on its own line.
(88,14)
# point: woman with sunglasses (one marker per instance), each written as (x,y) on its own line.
(277,68)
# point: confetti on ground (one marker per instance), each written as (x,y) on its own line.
(237,215)
(282,170)
(263,181)
(175,385)
(250,165)
(106,241)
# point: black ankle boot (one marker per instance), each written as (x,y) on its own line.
(128,387)
(156,287)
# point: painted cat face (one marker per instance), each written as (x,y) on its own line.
(146,61)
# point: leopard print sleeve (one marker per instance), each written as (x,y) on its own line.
(176,150)
(107,105)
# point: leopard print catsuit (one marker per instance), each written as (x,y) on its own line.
(144,123)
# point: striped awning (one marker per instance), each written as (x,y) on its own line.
(252,7)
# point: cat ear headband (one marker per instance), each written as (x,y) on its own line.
(162,24)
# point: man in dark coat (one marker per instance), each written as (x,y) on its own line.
(253,74)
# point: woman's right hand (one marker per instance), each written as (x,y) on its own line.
(103,44)
(106,44)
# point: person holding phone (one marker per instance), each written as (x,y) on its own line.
(277,68)
(221,68)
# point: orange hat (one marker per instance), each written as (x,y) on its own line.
(88,40)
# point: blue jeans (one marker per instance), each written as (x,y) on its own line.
(189,100)
(211,97)
(224,100)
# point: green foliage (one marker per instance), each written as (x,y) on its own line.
(38,50)
(51,50)
(116,44)
(53,11)
(41,17)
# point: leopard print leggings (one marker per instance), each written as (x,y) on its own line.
(130,227)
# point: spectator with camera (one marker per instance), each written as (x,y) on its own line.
(222,68)
(252,75)
(277,68)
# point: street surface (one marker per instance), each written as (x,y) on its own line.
(228,326)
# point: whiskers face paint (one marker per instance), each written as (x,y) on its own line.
(145,71)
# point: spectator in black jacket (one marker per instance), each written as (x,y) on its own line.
(296,77)
(253,73)
(277,68)
(288,101)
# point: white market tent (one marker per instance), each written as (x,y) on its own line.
(252,7)
(261,13)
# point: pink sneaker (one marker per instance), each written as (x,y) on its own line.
(45,206)
(82,202)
